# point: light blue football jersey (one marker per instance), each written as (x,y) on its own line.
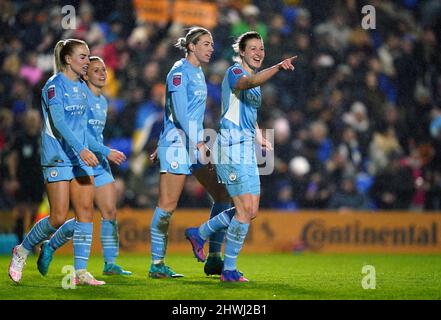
(237,166)
(96,120)
(186,94)
(64,104)
(239,109)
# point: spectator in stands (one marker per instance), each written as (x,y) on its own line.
(393,186)
(347,197)
(251,21)
(390,65)
(25,173)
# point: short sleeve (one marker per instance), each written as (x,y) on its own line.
(234,74)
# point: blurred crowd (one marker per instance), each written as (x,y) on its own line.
(356,125)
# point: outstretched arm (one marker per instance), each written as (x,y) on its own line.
(255,80)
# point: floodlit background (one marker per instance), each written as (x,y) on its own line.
(356,124)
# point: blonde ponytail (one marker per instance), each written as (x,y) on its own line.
(58,64)
(181,44)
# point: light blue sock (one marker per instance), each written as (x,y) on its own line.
(38,233)
(62,235)
(159,232)
(217,238)
(236,234)
(82,241)
(109,240)
(218,223)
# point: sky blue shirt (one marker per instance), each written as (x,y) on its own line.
(186,94)
(64,104)
(96,121)
(239,108)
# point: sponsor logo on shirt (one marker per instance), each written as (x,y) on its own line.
(95,122)
(75,107)
(253,99)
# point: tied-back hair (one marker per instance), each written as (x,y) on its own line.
(96,58)
(63,48)
(241,43)
(192,36)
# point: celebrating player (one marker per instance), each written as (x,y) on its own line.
(105,191)
(182,150)
(66,160)
(237,167)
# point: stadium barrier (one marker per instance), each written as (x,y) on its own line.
(272,231)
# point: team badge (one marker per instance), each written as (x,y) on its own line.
(51,92)
(177,79)
(54,173)
(174,165)
(232,176)
(237,71)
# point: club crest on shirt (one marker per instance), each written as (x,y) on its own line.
(232,176)
(51,92)
(237,71)
(177,79)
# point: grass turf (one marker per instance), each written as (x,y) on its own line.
(272,277)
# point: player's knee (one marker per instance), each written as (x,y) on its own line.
(56,221)
(85,207)
(168,205)
(109,213)
(249,211)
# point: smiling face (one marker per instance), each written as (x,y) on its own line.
(253,54)
(203,49)
(96,74)
(78,60)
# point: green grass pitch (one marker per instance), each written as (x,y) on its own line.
(272,277)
